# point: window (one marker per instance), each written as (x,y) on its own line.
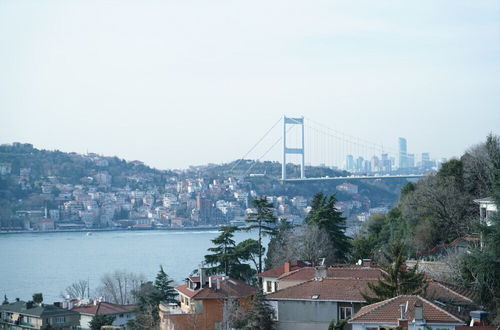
(275,286)
(121,315)
(269,287)
(345,312)
(59,319)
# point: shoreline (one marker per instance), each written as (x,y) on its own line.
(92,230)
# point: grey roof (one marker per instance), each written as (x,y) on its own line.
(36,310)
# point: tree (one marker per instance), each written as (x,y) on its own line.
(480,269)
(223,252)
(313,244)
(260,315)
(117,287)
(277,248)
(228,258)
(264,221)
(396,279)
(147,298)
(164,286)
(37,298)
(77,290)
(100,320)
(325,215)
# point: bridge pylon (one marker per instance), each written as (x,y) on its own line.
(286,150)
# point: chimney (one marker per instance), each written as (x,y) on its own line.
(366,262)
(210,282)
(201,272)
(402,312)
(218,284)
(418,311)
(478,318)
(287,267)
(320,272)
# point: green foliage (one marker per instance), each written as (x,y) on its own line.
(260,316)
(37,298)
(228,258)
(325,215)
(337,325)
(396,279)
(480,269)
(163,285)
(101,320)
(264,221)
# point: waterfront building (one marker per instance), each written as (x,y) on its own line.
(29,315)
(206,302)
(122,313)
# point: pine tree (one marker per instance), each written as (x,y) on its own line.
(164,286)
(260,316)
(325,215)
(223,253)
(396,279)
(100,320)
(264,221)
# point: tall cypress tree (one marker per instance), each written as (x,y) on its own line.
(396,278)
(325,215)
(264,221)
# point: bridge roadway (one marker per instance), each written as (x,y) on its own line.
(359,177)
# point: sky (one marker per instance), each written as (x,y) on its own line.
(180,83)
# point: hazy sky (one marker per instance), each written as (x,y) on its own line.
(176,83)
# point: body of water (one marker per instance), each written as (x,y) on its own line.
(49,262)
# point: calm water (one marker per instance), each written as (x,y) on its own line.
(48,263)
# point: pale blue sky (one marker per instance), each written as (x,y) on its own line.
(175,83)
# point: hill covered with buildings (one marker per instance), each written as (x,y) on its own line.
(50,190)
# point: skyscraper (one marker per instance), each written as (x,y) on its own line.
(349,162)
(402,153)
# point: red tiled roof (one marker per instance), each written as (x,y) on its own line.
(228,288)
(308,273)
(388,311)
(338,289)
(104,308)
(279,270)
(446,292)
(478,327)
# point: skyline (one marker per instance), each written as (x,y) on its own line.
(176,84)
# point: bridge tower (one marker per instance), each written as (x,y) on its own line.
(286,150)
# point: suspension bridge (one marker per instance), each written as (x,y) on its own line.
(306,142)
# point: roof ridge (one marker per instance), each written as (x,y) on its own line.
(380,304)
(442,309)
(292,272)
(453,291)
(293,286)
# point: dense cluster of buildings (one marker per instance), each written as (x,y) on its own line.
(385,163)
(182,201)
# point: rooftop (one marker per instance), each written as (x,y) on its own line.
(336,289)
(227,288)
(388,311)
(24,308)
(103,308)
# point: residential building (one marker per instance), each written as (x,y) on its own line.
(270,277)
(487,208)
(348,188)
(122,313)
(205,303)
(28,315)
(313,304)
(406,311)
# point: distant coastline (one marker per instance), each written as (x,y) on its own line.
(201,228)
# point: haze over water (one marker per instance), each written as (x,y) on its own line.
(49,262)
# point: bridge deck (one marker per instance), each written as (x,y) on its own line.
(361,177)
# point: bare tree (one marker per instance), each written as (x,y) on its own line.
(314,243)
(117,287)
(76,290)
